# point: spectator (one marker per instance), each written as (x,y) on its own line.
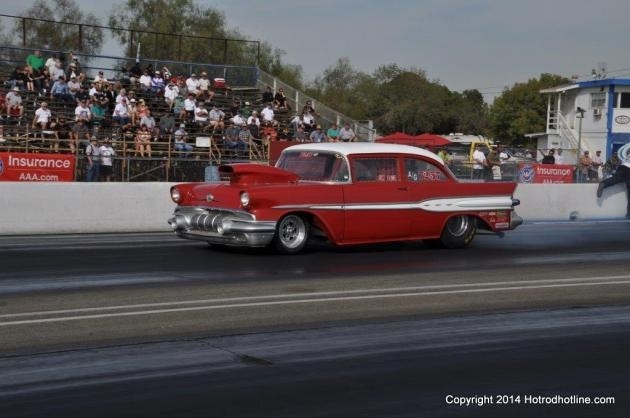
(181,136)
(244,139)
(51,64)
(201,115)
(584,167)
(295,121)
(93,157)
(559,157)
(143,142)
(61,92)
(13,100)
(82,111)
(231,136)
(135,73)
(204,87)
(188,111)
(308,108)
(318,135)
(58,72)
(192,84)
(73,71)
(79,135)
(167,125)
(145,80)
(99,78)
(132,108)
(549,158)
(332,134)
(121,113)
(268,116)
(253,119)
(611,166)
(238,119)
(346,134)
(18,78)
(216,117)
(148,121)
(97,111)
(308,120)
(107,161)
(35,61)
(171,91)
(157,83)
(280,101)
(300,134)
(267,96)
(43,117)
(597,167)
(479,163)
(494,163)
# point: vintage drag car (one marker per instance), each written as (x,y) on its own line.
(350,193)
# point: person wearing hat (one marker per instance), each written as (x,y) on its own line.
(318,135)
(171,91)
(93,160)
(13,100)
(346,134)
(192,84)
(145,80)
(107,154)
(157,83)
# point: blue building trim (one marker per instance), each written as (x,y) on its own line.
(609,119)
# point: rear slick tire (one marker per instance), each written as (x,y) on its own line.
(292,234)
(459,231)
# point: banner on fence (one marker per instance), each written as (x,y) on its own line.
(16,166)
(545,173)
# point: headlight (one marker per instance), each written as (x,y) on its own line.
(244,199)
(175,195)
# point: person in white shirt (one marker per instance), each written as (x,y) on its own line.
(82,111)
(559,156)
(43,116)
(188,111)
(107,161)
(145,80)
(170,94)
(479,159)
(253,119)
(238,119)
(192,84)
(268,116)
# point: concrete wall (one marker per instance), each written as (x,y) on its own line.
(61,208)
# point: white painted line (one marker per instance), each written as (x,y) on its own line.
(301,301)
(311,294)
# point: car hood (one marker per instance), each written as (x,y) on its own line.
(248,174)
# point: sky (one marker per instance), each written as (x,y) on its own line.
(488,45)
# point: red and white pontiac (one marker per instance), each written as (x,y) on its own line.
(351,193)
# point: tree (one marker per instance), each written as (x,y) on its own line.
(72,35)
(521,109)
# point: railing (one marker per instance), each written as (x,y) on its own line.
(325,115)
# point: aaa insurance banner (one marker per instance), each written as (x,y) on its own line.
(16,166)
(545,173)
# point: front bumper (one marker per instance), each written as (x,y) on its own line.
(219,226)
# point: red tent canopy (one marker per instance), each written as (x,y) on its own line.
(424,140)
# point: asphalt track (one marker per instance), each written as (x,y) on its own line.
(149,325)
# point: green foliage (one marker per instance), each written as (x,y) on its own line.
(47,35)
(521,109)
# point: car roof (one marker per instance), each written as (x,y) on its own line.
(348,148)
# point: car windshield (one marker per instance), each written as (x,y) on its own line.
(315,166)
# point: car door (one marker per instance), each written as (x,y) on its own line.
(377,201)
(426,183)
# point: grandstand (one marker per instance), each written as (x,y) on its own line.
(232,89)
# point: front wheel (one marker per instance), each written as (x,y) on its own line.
(459,231)
(292,234)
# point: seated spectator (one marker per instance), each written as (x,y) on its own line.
(308,108)
(35,61)
(188,112)
(61,92)
(13,100)
(295,121)
(280,101)
(204,87)
(121,113)
(201,115)
(98,113)
(74,71)
(268,116)
(148,121)
(317,135)
(82,111)
(332,134)
(267,96)
(18,78)
(171,91)
(253,119)
(58,72)
(346,134)
(99,78)
(157,83)
(145,80)
(132,109)
(180,144)
(549,158)
(143,142)
(135,73)
(230,139)
(43,117)
(215,118)
(167,125)
(300,134)
(192,84)
(51,64)
(308,120)
(238,119)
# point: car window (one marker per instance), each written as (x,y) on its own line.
(375,169)
(315,166)
(423,171)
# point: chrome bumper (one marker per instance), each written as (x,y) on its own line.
(221,227)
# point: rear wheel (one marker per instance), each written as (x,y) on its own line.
(292,234)
(459,231)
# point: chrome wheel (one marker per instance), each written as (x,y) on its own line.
(291,234)
(459,231)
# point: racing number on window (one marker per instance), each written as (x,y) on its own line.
(423,171)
